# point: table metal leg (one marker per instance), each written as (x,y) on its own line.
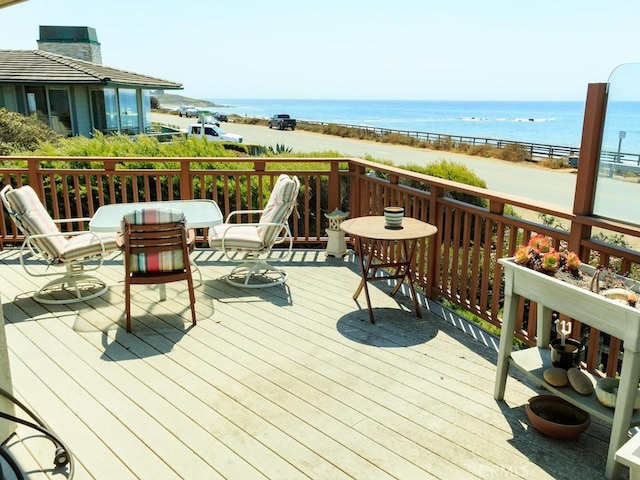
(408,252)
(365,265)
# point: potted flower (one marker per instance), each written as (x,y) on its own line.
(541,256)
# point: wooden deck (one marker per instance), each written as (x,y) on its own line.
(280,383)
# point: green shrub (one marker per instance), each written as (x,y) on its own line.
(19,133)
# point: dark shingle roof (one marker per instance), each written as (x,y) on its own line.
(40,67)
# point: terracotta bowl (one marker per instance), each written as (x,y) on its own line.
(555,417)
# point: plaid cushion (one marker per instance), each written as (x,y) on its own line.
(168,261)
(237,237)
(279,207)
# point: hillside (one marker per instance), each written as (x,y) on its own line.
(172,101)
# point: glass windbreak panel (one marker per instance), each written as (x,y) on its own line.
(146,111)
(37,103)
(129,121)
(60,111)
(105,110)
(617,184)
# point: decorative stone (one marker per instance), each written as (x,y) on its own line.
(556,376)
(580,382)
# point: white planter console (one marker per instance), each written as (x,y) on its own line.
(616,319)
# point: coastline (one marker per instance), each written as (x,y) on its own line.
(524,180)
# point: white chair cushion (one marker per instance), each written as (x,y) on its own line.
(36,220)
(279,207)
(236,237)
(88,245)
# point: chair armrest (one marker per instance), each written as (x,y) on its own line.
(283,226)
(71,220)
(236,213)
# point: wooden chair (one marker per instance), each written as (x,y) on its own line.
(251,243)
(45,246)
(156,246)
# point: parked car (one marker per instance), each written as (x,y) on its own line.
(209,119)
(221,117)
(212,132)
(282,121)
(187,111)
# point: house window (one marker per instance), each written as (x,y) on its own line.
(146,110)
(105,110)
(51,107)
(117,110)
(59,110)
(8,98)
(37,103)
(129,121)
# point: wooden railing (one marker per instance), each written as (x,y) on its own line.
(459,264)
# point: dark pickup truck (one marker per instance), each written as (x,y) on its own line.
(282,121)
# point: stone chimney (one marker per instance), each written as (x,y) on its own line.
(75,42)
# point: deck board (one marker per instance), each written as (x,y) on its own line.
(280,383)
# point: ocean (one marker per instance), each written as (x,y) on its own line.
(553,123)
(549,123)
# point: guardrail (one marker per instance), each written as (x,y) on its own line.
(536,150)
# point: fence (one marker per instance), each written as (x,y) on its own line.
(459,265)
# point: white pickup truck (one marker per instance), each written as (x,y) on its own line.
(187,111)
(213,133)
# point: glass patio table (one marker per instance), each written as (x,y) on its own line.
(198,213)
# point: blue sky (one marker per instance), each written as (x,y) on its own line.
(353,49)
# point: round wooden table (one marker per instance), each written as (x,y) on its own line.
(367,231)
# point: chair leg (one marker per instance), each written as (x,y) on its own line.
(78,288)
(127,302)
(266,275)
(192,299)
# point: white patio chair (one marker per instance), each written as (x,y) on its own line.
(251,243)
(77,252)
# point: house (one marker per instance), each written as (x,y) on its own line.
(66,86)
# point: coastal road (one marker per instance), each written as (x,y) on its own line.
(529,181)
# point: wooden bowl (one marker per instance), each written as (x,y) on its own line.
(555,417)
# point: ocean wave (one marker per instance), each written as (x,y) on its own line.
(501,119)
